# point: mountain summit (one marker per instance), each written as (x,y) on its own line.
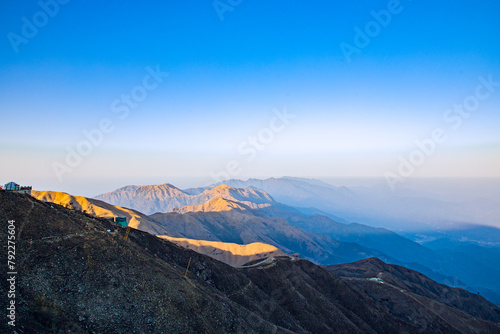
(165,197)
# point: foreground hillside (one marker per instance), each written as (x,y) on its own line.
(316,235)
(77,274)
(414,283)
(98,208)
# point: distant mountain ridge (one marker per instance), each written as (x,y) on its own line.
(79,275)
(300,192)
(355,239)
(165,197)
(227,198)
(234,223)
(240,221)
(401,210)
(218,250)
(249,226)
(222,202)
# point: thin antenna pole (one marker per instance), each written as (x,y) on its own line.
(126,233)
(189,262)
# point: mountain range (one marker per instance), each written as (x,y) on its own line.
(80,275)
(402,209)
(336,240)
(165,197)
(235,215)
(230,222)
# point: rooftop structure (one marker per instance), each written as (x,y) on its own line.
(122,221)
(12,186)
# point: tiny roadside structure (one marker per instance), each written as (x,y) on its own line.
(14,187)
(122,221)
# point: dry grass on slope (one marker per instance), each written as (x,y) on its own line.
(229,253)
(99,208)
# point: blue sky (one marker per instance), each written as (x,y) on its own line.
(226,79)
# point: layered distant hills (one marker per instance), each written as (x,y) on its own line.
(245,225)
(222,220)
(79,275)
(274,208)
(404,209)
(165,197)
(225,214)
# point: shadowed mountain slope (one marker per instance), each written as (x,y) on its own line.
(224,198)
(414,282)
(227,198)
(248,226)
(383,240)
(235,223)
(78,277)
(478,272)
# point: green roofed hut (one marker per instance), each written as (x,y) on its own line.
(122,221)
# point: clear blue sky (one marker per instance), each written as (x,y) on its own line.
(226,77)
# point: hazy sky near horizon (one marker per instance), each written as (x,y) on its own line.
(215,112)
